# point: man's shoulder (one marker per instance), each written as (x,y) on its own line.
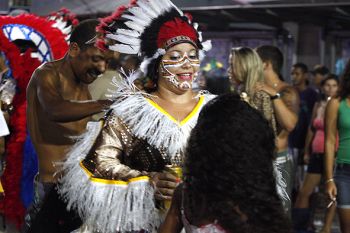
(46,70)
(287,88)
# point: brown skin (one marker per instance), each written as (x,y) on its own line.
(286,108)
(330,142)
(59,104)
(179,103)
(313,180)
(317,80)
(299,78)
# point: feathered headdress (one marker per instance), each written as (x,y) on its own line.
(148,28)
(65,20)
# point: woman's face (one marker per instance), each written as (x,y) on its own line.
(330,88)
(180,65)
(232,72)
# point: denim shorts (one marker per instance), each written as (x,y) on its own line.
(342,180)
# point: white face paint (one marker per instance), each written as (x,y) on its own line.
(181,69)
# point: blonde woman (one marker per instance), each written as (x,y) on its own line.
(246,72)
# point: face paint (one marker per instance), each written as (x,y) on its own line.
(170,67)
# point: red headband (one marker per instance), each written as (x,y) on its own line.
(175,31)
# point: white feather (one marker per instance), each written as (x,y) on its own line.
(147,61)
(148,123)
(137,20)
(172,5)
(155,6)
(141,14)
(127,32)
(67,30)
(125,39)
(207,45)
(134,26)
(60,24)
(200,37)
(166,4)
(201,55)
(147,9)
(127,49)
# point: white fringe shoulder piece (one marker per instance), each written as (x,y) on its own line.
(148,121)
(108,206)
(112,206)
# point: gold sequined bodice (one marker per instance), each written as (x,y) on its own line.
(117,154)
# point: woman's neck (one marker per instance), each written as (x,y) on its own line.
(182,97)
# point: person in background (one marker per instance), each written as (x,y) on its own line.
(296,141)
(285,100)
(245,72)
(229,184)
(337,179)
(314,157)
(103,87)
(59,107)
(319,73)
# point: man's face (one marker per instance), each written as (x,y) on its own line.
(89,64)
(318,79)
(298,76)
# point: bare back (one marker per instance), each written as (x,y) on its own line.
(51,138)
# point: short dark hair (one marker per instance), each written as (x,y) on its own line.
(301,66)
(322,70)
(272,54)
(230,165)
(84,32)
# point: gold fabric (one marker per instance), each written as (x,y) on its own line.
(118,155)
(262,102)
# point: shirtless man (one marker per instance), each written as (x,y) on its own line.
(285,101)
(59,103)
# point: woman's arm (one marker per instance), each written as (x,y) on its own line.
(330,141)
(173,222)
(310,134)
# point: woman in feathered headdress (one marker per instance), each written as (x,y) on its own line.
(116,176)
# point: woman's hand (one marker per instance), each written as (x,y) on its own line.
(306,157)
(331,190)
(165,184)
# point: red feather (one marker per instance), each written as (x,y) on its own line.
(174,28)
(22,67)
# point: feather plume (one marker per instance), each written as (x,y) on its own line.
(155,6)
(141,14)
(127,49)
(147,9)
(134,26)
(125,39)
(127,32)
(207,45)
(137,20)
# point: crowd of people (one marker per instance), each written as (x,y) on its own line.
(127,139)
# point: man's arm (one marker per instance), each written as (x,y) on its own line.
(287,108)
(57,108)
